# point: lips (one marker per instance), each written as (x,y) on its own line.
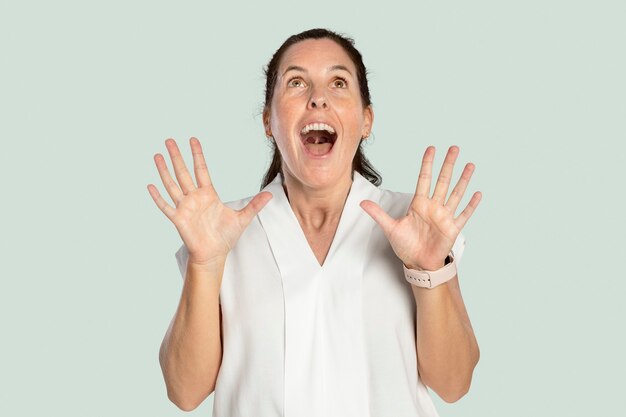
(318,138)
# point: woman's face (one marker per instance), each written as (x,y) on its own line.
(316,115)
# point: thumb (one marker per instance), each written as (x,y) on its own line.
(254,206)
(385,221)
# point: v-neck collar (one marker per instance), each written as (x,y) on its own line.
(285,234)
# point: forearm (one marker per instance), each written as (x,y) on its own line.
(191,351)
(447,351)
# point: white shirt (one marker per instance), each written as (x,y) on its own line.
(304,340)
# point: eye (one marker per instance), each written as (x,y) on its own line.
(295,82)
(340,83)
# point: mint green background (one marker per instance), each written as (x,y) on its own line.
(533,92)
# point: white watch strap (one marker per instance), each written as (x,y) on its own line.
(431,279)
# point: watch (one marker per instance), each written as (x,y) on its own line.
(430,279)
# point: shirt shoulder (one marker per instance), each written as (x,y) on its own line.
(238,204)
(395,203)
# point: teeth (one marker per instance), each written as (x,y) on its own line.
(317,126)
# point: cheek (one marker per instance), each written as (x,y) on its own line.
(278,117)
(350,111)
(282,131)
(352,122)
(283,111)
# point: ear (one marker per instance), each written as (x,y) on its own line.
(266,122)
(368,120)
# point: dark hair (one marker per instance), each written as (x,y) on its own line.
(360,163)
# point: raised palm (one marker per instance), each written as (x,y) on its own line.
(208,228)
(425,235)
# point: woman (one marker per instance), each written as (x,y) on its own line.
(309,298)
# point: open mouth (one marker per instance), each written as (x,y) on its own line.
(318,138)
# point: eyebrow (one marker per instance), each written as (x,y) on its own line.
(333,68)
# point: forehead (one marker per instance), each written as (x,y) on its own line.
(315,53)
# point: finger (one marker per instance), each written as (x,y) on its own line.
(425,176)
(169,183)
(445,176)
(182,175)
(459,190)
(469,209)
(254,206)
(199,164)
(160,202)
(385,221)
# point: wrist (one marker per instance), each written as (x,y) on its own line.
(217,262)
(427,266)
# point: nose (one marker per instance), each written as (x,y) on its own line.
(317,100)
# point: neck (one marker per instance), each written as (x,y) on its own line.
(317,207)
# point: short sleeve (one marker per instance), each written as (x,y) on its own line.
(182,255)
(458,248)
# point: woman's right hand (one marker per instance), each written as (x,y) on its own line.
(208,228)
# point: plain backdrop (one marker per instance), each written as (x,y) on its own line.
(532,92)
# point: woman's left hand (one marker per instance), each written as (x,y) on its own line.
(424,237)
